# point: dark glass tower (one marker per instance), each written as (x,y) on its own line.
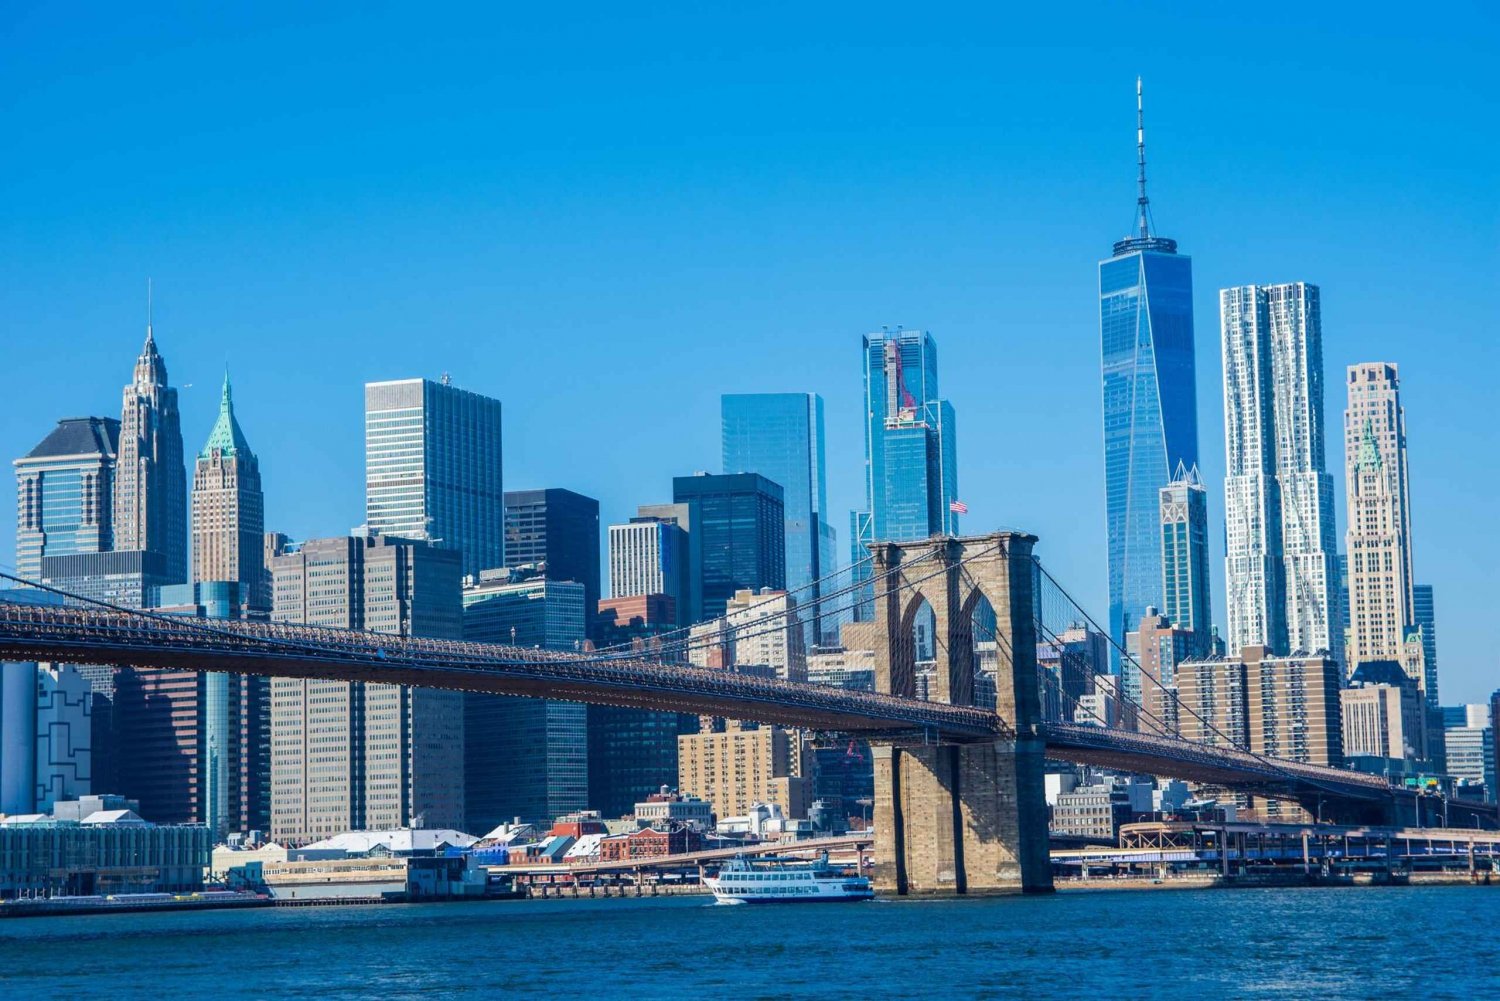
(741,521)
(561,529)
(1150,400)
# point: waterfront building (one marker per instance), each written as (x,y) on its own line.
(768,631)
(1281,554)
(740,522)
(1184,557)
(107,848)
(150,489)
(1096,812)
(1424,610)
(1383,718)
(558,528)
(65,493)
(197,743)
(348,755)
(780,436)
(229,521)
(523,757)
(1150,399)
(1469,743)
(45,736)
(432,468)
(738,768)
(650,556)
(911,450)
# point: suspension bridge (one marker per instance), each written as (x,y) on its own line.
(959,785)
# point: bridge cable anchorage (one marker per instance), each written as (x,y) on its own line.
(1123,700)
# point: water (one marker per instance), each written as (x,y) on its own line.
(1436,942)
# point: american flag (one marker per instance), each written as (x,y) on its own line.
(958,507)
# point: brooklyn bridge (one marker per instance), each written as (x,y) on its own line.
(960,803)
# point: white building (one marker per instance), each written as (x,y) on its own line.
(1281,553)
(45,746)
(647,556)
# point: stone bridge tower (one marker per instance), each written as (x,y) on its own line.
(960,817)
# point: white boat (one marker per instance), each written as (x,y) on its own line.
(785,881)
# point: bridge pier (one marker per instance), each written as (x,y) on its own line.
(960,817)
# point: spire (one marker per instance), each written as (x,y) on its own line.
(1369,449)
(226,436)
(149,339)
(1142,202)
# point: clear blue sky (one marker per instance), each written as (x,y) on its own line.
(608,216)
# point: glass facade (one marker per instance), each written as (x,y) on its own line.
(559,528)
(780,436)
(1184,556)
(432,468)
(64,499)
(741,523)
(1150,411)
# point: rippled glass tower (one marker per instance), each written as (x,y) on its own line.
(1150,402)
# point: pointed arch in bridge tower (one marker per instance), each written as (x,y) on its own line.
(955,817)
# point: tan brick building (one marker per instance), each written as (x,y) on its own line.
(740,767)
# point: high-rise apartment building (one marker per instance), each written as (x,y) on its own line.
(524,757)
(740,521)
(738,767)
(1150,399)
(559,528)
(432,468)
(1281,554)
(767,631)
(1211,696)
(347,755)
(229,521)
(65,493)
(150,490)
(780,436)
(1184,557)
(1156,647)
(911,450)
(1293,707)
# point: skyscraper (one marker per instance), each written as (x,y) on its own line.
(741,522)
(559,528)
(432,468)
(649,556)
(1150,399)
(150,492)
(1281,555)
(64,493)
(780,436)
(1424,606)
(229,510)
(348,755)
(1382,604)
(1184,557)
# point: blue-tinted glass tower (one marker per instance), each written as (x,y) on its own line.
(911,465)
(780,436)
(1150,402)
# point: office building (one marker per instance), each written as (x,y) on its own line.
(1424,611)
(1068,662)
(229,521)
(649,556)
(125,577)
(558,528)
(1150,399)
(1383,719)
(1469,743)
(780,436)
(523,757)
(740,522)
(353,756)
(911,450)
(1184,557)
(634,620)
(629,750)
(767,631)
(842,667)
(432,468)
(1281,557)
(738,768)
(65,493)
(150,489)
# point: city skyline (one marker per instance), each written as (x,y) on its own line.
(1009,491)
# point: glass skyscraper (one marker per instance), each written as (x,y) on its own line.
(432,468)
(1184,554)
(561,529)
(1150,401)
(741,523)
(64,493)
(780,436)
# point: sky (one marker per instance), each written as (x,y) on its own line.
(607,216)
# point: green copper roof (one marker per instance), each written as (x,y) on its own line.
(226,437)
(1369,450)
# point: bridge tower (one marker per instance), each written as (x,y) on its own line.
(960,817)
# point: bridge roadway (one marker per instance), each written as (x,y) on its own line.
(94,635)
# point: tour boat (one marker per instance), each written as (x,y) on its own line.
(785,881)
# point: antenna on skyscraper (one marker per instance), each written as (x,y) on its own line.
(1140,151)
(148,308)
